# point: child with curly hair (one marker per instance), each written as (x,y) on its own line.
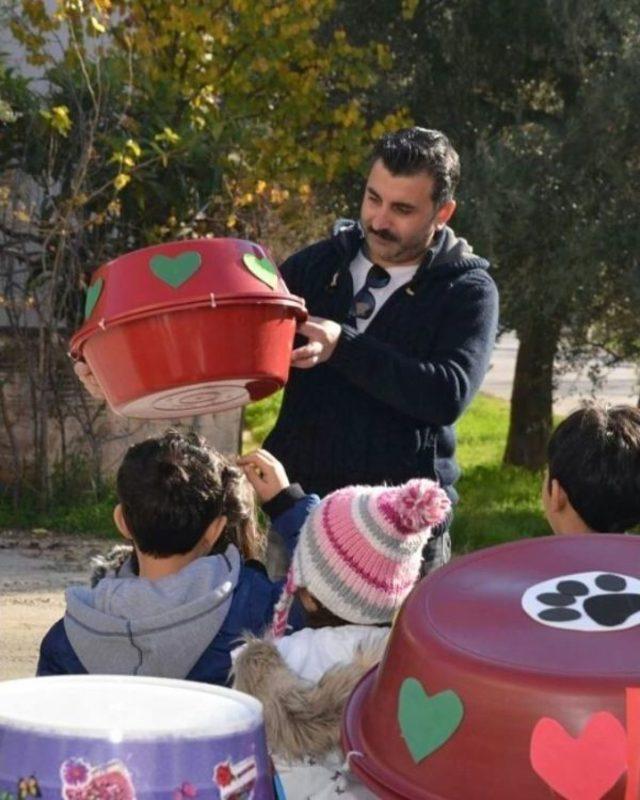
(193,584)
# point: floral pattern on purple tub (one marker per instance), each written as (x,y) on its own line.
(217,752)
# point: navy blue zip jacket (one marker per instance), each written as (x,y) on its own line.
(382,408)
(182,626)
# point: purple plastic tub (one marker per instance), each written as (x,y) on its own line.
(124,738)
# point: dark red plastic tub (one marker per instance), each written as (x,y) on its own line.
(465,634)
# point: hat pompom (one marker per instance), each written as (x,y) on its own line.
(421,503)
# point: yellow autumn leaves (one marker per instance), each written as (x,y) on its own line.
(251,91)
(58,119)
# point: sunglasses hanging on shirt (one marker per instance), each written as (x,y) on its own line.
(364,303)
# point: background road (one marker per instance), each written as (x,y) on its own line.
(620,386)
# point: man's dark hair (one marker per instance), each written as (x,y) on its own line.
(171,489)
(413,150)
(594,454)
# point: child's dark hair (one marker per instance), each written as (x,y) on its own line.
(321,617)
(594,454)
(172,487)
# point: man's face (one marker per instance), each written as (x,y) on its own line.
(398,216)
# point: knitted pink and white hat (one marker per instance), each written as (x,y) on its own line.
(360,550)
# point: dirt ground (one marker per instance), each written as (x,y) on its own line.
(35,569)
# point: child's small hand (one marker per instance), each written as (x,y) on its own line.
(265,473)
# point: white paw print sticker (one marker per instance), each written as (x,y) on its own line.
(585,601)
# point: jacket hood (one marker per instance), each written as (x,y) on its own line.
(301,718)
(453,253)
(449,254)
(128,625)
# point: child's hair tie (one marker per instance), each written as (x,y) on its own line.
(283,606)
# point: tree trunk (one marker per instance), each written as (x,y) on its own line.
(42,456)
(18,477)
(531,418)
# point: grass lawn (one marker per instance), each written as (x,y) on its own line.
(498,504)
(76,516)
(258,421)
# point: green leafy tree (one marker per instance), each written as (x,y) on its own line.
(153,122)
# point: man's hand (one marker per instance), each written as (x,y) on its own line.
(323,335)
(265,473)
(90,383)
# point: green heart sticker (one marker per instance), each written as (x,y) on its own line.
(262,268)
(93,293)
(175,271)
(427,722)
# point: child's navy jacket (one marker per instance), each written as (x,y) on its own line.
(181,626)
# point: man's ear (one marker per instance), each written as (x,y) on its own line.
(445,212)
(214,532)
(121,525)
(558,499)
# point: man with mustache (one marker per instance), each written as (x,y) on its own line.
(403,321)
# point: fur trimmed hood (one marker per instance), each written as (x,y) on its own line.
(301,719)
(119,562)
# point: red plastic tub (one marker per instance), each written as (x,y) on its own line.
(478,697)
(188,328)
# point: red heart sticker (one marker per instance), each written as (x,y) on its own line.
(585,768)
